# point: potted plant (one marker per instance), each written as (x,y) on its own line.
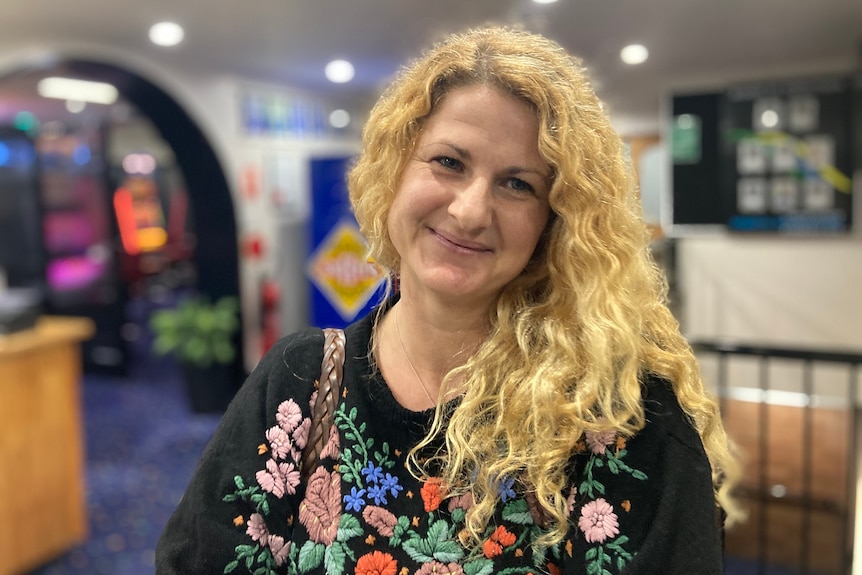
(200,334)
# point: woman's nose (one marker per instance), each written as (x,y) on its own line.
(471,206)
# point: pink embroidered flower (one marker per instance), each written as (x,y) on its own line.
(570,500)
(464,502)
(437,568)
(291,477)
(278,478)
(279,442)
(320,511)
(598,521)
(598,441)
(381,519)
(257,529)
(289,415)
(280,548)
(300,435)
(333,445)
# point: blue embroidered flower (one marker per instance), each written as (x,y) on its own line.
(353,501)
(372,473)
(506,489)
(391,483)
(378,494)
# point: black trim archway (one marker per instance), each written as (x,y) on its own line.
(215,253)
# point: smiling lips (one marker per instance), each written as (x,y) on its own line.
(459,244)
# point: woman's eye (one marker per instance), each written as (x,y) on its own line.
(519,185)
(448,162)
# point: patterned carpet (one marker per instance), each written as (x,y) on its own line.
(142,446)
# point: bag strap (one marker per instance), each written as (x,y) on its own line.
(328,392)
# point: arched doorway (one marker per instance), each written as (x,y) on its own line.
(215,254)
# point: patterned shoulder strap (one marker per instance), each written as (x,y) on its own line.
(323,413)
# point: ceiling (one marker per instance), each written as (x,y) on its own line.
(692,43)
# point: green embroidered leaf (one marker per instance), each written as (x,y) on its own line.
(362,427)
(590,554)
(240,484)
(600,463)
(449,552)
(517,511)
(310,556)
(403,524)
(639,474)
(479,567)
(369,443)
(418,549)
(230,567)
(351,436)
(458,515)
(348,527)
(612,465)
(539,554)
(593,568)
(334,558)
(229,498)
(352,415)
(620,563)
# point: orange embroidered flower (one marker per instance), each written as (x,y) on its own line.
(491,549)
(432,493)
(376,563)
(239,520)
(499,538)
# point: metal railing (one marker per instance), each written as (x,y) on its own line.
(768,501)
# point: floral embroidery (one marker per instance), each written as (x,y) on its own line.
(376,563)
(598,521)
(346,511)
(499,539)
(320,511)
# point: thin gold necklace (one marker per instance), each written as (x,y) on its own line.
(410,363)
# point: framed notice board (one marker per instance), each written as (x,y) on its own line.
(768,157)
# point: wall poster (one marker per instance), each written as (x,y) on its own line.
(785,148)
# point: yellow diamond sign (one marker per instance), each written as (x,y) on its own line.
(341,271)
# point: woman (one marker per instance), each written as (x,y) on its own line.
(525,403)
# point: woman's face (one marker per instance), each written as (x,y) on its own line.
(473,199)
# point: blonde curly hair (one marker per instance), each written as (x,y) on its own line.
(573,336)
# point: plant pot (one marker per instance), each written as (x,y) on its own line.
(209,389)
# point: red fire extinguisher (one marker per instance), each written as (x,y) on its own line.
(269,296)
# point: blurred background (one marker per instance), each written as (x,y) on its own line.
(172,201)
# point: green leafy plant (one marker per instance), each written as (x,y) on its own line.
(197,332)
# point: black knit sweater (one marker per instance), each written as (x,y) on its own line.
(638,505)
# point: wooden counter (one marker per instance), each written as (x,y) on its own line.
(42,496)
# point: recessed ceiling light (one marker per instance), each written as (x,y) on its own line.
(339,71)
(634,54)
(339,119)
(80,90)
(544,1)
(166,34)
